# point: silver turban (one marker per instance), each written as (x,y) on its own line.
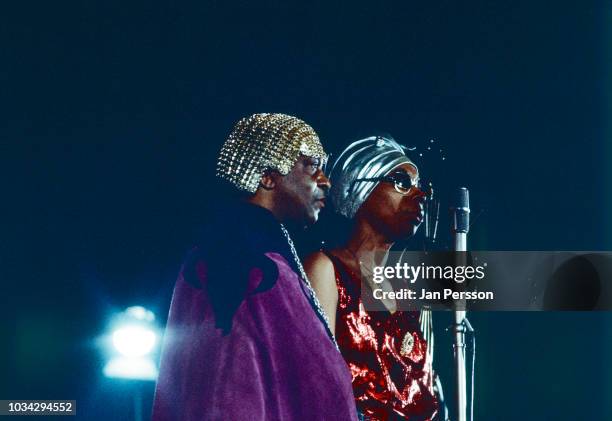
(371,157)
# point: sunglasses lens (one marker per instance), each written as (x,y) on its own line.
(403,183)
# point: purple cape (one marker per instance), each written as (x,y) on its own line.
(274,362)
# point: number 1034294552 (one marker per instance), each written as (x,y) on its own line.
(37,407)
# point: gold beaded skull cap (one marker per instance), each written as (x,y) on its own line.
(265,141)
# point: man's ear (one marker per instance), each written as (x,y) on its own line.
(269,179)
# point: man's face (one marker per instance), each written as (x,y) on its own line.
(300,195)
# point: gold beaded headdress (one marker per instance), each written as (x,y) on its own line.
(265,141)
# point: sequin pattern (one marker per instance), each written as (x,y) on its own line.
(388,384)
(265,141)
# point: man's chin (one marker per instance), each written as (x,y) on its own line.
(312,218)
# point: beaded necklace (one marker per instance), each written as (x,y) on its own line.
(314,301)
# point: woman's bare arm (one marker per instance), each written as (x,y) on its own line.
(320,271)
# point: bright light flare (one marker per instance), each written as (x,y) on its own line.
(134,340)
(131,368)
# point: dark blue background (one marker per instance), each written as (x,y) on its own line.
(113,112)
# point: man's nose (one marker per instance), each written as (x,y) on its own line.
(322,181)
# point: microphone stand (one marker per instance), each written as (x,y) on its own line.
(460,229)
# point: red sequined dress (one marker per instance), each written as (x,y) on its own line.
(386,353)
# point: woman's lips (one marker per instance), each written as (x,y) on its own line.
(416,216)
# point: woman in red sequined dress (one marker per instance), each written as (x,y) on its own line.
(376,186)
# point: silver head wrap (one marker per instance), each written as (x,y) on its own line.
(265,141)
(371,157)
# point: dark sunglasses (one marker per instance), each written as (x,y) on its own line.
(402,182)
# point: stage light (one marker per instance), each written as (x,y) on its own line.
(140,313)
(131,368)
(134,339)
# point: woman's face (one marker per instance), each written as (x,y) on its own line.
(394,214)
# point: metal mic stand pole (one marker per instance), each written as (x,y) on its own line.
(460,229)
(459,355)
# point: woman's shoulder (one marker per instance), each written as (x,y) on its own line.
(327,260)
(320,263)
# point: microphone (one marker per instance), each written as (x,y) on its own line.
(461,218)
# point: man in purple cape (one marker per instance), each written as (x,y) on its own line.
(246,337)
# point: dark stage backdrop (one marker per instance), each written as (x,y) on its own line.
(113,112)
